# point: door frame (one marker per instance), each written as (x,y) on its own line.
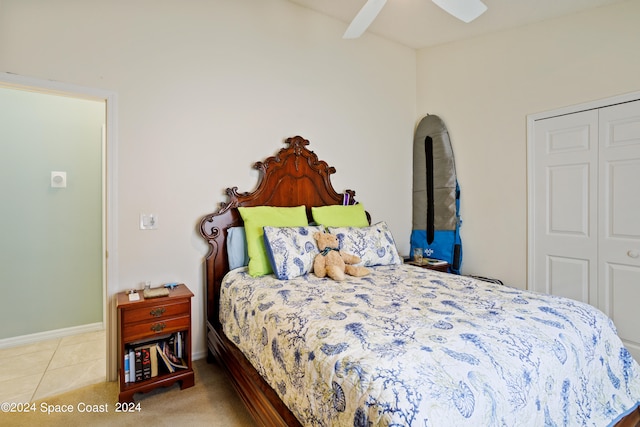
(110,187)
(531,119)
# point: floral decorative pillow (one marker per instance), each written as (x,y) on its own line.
(374,244)
(291,250)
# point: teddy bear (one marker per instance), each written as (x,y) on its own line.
(333,262)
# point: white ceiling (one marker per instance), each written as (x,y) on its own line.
(420,23)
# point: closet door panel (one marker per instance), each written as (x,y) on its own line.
(619,219)
(623,283)
(568,277)
(623,199)
(565,226)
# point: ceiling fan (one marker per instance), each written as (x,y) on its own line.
(464,10)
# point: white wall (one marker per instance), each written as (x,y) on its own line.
(205,89)
(484,89)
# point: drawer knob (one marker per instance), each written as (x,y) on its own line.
(158,327)
(157,312)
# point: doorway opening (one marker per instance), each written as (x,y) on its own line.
(104,101)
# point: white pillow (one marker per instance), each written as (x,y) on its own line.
(374,244)
(291,250)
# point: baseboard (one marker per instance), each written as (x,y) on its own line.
(48,335)
(197,355)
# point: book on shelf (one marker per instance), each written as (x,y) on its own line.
(132,366)
(149,358)
(178,345)
(163,359)
(126,367)
(154,360)
(166,350)
(137,357)
(146,362)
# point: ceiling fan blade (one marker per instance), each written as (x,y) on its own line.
(364,18)
(464,10)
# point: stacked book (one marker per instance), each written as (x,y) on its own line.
(145,360)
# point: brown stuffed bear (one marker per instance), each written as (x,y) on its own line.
(333,262)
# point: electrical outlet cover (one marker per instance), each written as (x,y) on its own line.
(58,179)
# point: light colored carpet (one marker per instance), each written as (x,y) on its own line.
(212,401)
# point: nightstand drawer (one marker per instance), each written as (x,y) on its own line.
(156,312)
(136,331)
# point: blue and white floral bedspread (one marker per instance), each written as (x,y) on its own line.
(407,346)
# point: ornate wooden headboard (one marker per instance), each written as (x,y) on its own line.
(293,177)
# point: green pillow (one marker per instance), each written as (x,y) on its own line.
(340,216)
(257,217)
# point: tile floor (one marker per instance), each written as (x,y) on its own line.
(36,371)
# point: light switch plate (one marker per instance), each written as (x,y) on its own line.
(148,221)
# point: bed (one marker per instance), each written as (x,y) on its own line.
(402,345)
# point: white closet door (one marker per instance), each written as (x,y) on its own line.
(565,206)
(619,220)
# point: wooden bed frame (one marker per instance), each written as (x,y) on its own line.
(293,177)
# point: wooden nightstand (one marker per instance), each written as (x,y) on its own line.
(438,267)
(147,322)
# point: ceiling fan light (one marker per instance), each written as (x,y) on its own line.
(464,10)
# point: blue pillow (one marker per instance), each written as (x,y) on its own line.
(291,250)
(237,248)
